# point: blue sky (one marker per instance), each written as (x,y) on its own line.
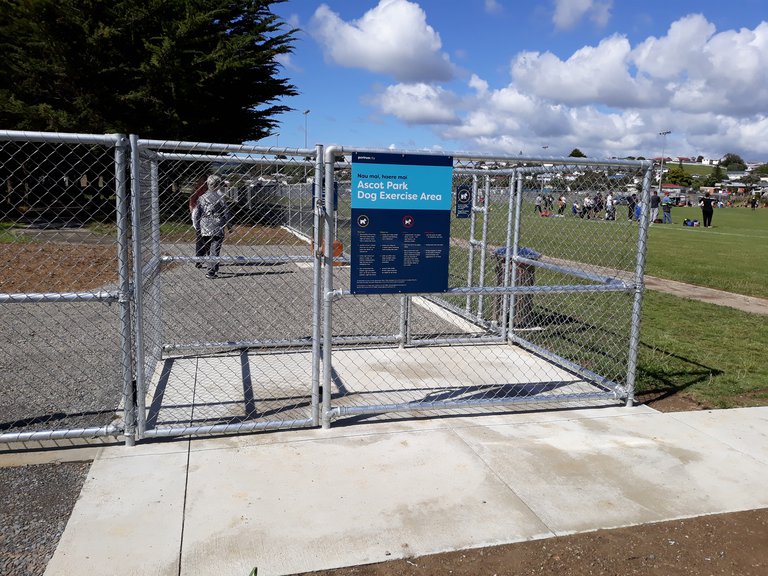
(541,77)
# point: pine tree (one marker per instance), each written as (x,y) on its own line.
(171,69)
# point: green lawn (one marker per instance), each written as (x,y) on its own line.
(701,169)
(730,256)
(712,353)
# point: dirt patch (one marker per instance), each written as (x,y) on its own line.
(32,267)
(665,402)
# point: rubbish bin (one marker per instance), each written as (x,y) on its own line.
(526,276)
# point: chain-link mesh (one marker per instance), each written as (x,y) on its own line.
(227,336)
(221,330)
(540,301)
(63,266)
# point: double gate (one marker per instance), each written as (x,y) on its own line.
(112,328)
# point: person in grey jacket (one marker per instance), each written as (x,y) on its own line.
(210,217)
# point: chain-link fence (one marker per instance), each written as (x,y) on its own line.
(64,318)
(125,313)
(542,305)
(225,342)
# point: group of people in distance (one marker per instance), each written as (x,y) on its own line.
(210,217)
(591,207)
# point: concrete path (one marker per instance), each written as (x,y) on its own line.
(312,499)
(744,303)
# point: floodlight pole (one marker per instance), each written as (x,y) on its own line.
(663,146)
(306,113)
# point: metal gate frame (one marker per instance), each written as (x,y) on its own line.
(147,355)
(508,291)
(121,296)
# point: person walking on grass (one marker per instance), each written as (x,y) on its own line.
(211,217)
(707,208)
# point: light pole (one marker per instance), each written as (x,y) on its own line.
(277,140)
(306,113)
(663,145)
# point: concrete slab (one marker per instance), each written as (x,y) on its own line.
(344,501)
(590,473)
(380,376)
(312,499)
(743,429)
(128,519)
(227,387)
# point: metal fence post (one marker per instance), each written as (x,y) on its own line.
(138,304)
(124,280)
(514,249)
(503,321)
(471,255)
(484,242)
(637,301)
(330,158)
(317,286)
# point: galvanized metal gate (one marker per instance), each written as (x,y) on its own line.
(237,352)
(542,309)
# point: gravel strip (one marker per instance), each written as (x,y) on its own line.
(35,505)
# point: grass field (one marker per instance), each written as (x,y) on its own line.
(701,169)
(711,353)
(730,256)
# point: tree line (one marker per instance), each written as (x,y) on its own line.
(201,70)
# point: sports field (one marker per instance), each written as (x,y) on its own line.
(730,256)
(712,353)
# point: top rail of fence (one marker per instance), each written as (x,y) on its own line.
(174,145)
(512,161)
(66,138)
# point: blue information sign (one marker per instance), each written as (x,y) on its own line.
(463,201)
(401,217)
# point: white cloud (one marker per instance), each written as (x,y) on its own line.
(591,75)
(478,84)
(418,104)
(493,7)
(706,71)
(392,38)
(709,88)
(681,49)
(690,69)
(568,13)
(286,61)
